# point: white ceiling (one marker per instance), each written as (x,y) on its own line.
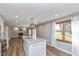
(41,12)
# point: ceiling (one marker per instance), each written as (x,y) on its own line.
(19,14)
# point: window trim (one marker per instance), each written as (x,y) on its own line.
(65,41)
(63,31)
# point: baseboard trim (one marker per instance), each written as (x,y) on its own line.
(63,50)
(60,49)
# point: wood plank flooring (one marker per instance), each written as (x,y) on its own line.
(16,49)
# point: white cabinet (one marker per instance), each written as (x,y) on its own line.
(35,48)
(38,49)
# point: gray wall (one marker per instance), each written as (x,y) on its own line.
(47,31)
(44,31)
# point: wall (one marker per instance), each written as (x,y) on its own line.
(53,40)
(44,31)
(25,33)
(47,31)
(12,33)
(6,34)
(75,36)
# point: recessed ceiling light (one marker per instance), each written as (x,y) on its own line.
(56,15)
(16,16)
(16,28)
(24,29)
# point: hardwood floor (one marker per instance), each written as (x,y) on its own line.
(16,49)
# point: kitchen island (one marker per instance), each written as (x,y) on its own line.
(34,47)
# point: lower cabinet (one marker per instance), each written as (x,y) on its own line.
(35,49)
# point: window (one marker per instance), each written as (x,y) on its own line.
(63,31)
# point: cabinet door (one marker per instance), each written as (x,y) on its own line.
(38,49)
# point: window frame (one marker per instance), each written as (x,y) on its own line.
(63,31)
